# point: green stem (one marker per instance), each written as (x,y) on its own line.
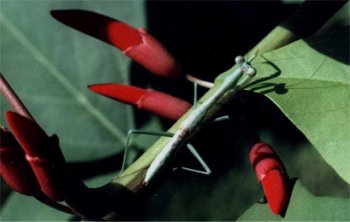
(305,21)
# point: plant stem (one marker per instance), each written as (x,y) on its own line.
(45,200)
(200,82)
(305,21)
(13,99)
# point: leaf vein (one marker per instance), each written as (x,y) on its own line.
(59,76)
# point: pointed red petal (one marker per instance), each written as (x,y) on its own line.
(27,132)
(99,26)
(135,43)
(154,56)
(123,93)
(259,151)
(153,101)
(264,159)
(276,190)
(43,154)
(122,35)
(263,167)
(14,168)
(143,48)
(164,105)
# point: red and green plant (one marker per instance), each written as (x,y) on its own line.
(306,75)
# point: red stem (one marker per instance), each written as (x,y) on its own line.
(13,99)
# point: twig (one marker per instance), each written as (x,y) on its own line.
(305,21)
(200,82)
(13,99)
(45,200)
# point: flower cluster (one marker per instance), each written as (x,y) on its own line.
(142,48)
(32,162)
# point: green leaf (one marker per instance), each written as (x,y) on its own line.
(24,208)
(303,206)
(50,65)
(309,80)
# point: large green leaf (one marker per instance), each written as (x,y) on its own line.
(49,65)
(303,206)
(309,80)
(24,208)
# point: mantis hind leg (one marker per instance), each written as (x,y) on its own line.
(143,132)
(206,171)
(195,95)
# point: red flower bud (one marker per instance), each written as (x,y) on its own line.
(43,154)
(155,102)
(135,43)
(149,52)
(13,166)
(272,176)
(122,35)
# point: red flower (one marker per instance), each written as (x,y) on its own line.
(272,176)
(135,43)
(42,153)
(13,166)
(153,101)
(144,49)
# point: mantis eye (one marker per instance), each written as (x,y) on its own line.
(251,72)
(239,60)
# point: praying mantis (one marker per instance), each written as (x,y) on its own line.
(230,85)
(234,80)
